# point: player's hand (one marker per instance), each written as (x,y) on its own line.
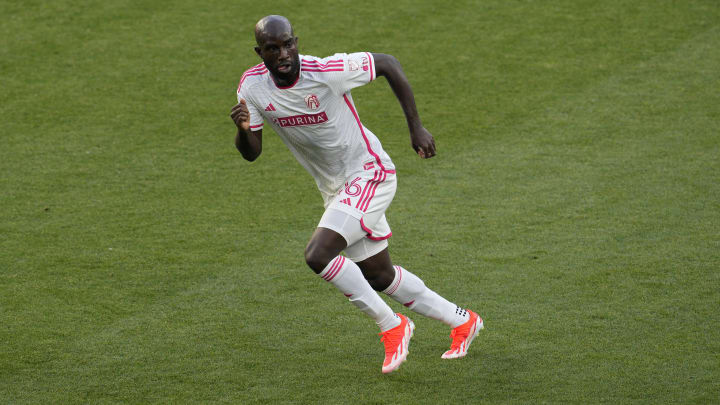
(423,143)
(241,116)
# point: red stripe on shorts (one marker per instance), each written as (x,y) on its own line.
(365,206)
(366,188)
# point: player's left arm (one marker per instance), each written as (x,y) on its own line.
(389,67)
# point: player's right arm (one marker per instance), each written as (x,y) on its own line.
(248,142)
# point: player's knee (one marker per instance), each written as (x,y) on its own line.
(317,258)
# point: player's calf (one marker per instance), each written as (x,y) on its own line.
(378,270)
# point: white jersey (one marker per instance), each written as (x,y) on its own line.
(316,117)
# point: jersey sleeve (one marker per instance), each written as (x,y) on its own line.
(358,69)
(256,119)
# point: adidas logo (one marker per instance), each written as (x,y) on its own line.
(270,107)
(346,201)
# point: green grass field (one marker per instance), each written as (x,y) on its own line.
(574,203)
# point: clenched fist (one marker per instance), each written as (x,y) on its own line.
(241,116)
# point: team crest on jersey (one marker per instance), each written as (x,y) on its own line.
(312,102)
(365,63)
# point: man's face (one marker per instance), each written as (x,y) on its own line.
(280,54)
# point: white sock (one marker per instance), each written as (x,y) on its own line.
(410,291)
(347,277)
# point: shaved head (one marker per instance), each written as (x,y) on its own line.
(277,47)
(272,26)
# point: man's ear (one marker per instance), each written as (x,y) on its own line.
(257,51)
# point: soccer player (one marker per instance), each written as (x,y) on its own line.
(307,101)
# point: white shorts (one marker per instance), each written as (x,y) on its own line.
(357,212)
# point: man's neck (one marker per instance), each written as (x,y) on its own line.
(285,82)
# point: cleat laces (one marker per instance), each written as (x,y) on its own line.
(457,339)
(392,339)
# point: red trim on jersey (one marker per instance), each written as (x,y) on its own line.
(259,66)
(254,73)
(338,62)
(314,66)
(332,66)
(255,70)
(323,70)
(257,73)
(362,131)
(256,126)
(369,232)
(318,66)
(371,62)
(316,62)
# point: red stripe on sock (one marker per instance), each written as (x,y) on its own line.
(331,270)
(338,263)
(395,286)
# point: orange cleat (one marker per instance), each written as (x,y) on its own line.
(396,342)
(462,336)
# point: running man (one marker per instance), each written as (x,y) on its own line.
(307,101)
